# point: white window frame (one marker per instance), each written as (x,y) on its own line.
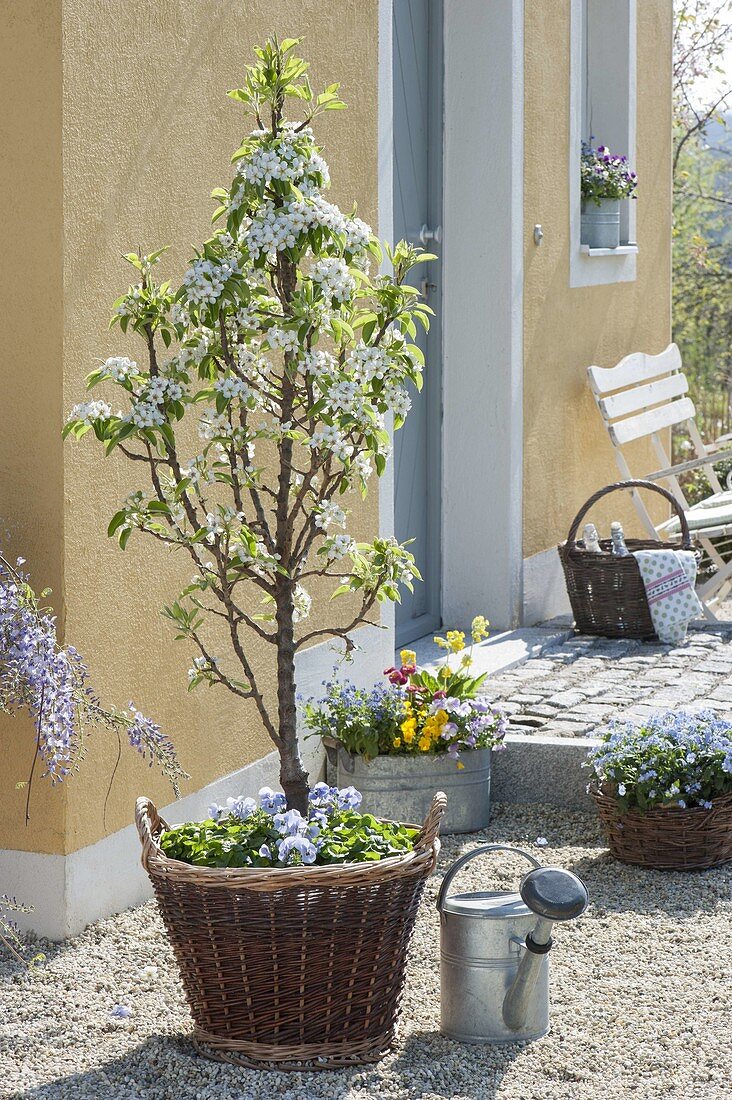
(592,267)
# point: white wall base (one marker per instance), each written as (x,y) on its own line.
(69,892)
(545,593)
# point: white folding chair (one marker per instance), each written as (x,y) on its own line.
(642,396)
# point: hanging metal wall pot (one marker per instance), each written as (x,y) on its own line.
(494,961)
(600,224)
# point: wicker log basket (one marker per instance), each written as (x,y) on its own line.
(669,838)
(606,592)
(292,968)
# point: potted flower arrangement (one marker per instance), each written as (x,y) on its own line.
(605,179)
(427,730)
(283,350)
(664,790)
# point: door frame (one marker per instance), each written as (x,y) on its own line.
(482,305)
(482,511)
(431,618)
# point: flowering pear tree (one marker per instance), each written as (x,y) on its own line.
(288,351)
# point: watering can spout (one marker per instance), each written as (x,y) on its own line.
(554,895)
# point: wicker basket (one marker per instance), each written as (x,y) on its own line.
(669,838)
(607,593)
(291,968)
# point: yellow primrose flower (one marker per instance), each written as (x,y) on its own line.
(455,640)
(466,661)
(408,657)
(479,628)
(441,642)
(444,673)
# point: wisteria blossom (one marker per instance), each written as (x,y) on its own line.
(50,683)
(289,355)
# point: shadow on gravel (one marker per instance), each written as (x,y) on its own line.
(616,887)
(430,1063)
(166,1067)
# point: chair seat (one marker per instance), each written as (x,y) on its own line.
(712,516)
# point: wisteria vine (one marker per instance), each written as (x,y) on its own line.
(50,682)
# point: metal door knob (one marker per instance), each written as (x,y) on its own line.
(426,234)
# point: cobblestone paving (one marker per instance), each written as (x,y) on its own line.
(575,688)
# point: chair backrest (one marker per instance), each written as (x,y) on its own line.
(642,395)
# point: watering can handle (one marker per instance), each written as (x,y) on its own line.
(460,863)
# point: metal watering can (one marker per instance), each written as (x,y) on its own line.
(494,962)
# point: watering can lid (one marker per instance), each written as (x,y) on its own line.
(489,905)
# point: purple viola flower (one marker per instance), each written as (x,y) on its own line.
(265,852)
(349,798)
(301,844)
(291,823)
(241,807)
(274,802)
(121,1012)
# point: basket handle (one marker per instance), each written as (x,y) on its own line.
(633,484)
(149,826)
(431,827)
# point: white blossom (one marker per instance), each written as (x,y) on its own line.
(319,363)
(90,411)
(303,602)
(330,513)
(366,362)
(283,338)
(339,546)
(119,368)
(145,414)
(205,279)
(334,278)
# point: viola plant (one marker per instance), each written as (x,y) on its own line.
(671,759)
(262,832)
(50,682)
(605,175)
(284,351)
(422,711)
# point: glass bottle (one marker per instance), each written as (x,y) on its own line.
(619,549)
(591,539)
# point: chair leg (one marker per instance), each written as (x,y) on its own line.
(713,589)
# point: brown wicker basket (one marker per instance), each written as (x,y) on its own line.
(669,838)
(294,967)
(607,593)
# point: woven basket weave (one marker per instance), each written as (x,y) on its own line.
(669,838)
(294,967)
(607,593)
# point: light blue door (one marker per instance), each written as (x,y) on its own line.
(417,52)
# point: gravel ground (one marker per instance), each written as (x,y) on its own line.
(640,989)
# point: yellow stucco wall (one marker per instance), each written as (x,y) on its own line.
(567,454)
(147,133)
(31,472)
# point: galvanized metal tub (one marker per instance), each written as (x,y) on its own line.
(401,788)
(600,225)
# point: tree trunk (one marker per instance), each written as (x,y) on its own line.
(293,777)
